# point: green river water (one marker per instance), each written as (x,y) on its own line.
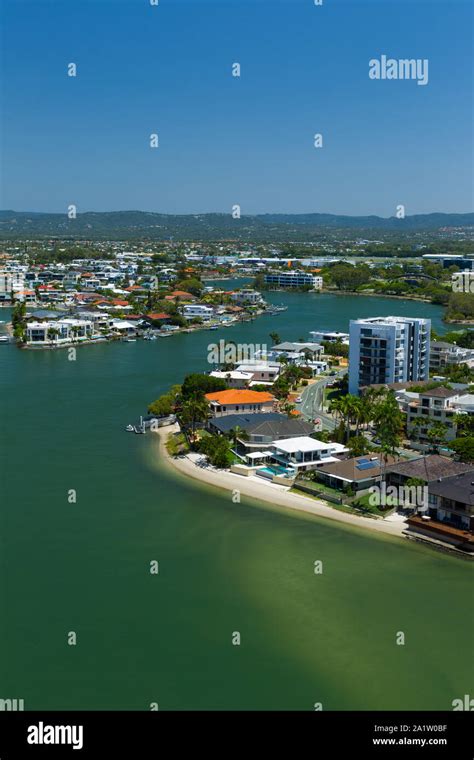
(224,567)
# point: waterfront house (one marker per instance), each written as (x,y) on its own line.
(262,373)
(305,453)
(427,469)
(234,378)
(449,516)
(360,473)
(58,332)
(246,296)
(193,311)
(311,351)
(330,337)
(237,401)
(260,429)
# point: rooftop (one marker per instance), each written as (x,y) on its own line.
(458,488)
(232,396)
(440,393)
(429,468)
(305,443)
(358,468)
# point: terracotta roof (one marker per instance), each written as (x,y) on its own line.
(232,396)
(160,315)
(182,294)
(118,302)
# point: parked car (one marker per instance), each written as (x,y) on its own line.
(299,399)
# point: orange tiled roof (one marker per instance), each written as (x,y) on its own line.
(232,396)
(182,294)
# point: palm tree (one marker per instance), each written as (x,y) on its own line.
(52,332)
(275,338)
(193,410)
(238,432)
(436,434)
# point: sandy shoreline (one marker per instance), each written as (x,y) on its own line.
(276,495)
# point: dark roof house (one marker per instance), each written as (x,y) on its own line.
(429,468)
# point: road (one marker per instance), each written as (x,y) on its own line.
(311,406)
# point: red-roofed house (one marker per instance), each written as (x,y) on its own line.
(235,401)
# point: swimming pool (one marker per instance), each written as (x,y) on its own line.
(274,469)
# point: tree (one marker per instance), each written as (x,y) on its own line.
(288,408)
(217,450)
(194,409)
(464,448)
(389,425)
(192,285)
(199,383)
(358,445)
(162,406)
(238,432)
(436,434)
(275,338)
(349,277)
(52,333)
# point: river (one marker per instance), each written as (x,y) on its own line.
(84,567)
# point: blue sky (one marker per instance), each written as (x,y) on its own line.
(226,140)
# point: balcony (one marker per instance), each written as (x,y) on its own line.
(444,531)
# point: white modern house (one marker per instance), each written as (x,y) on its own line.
(234,378)
(262,373)
(58,332)
(305,453)
(329,337)
(192,311)
(247,296)
(385,350)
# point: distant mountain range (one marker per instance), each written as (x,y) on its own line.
(121,225)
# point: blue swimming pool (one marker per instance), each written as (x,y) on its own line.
(274,469)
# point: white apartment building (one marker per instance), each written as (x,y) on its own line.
(444,354)
(191,311)
(388,350)
(437,405)
(294,279)
(11,282)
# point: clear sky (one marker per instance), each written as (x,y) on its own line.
(225,140)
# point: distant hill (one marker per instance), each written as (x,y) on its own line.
(271,227)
